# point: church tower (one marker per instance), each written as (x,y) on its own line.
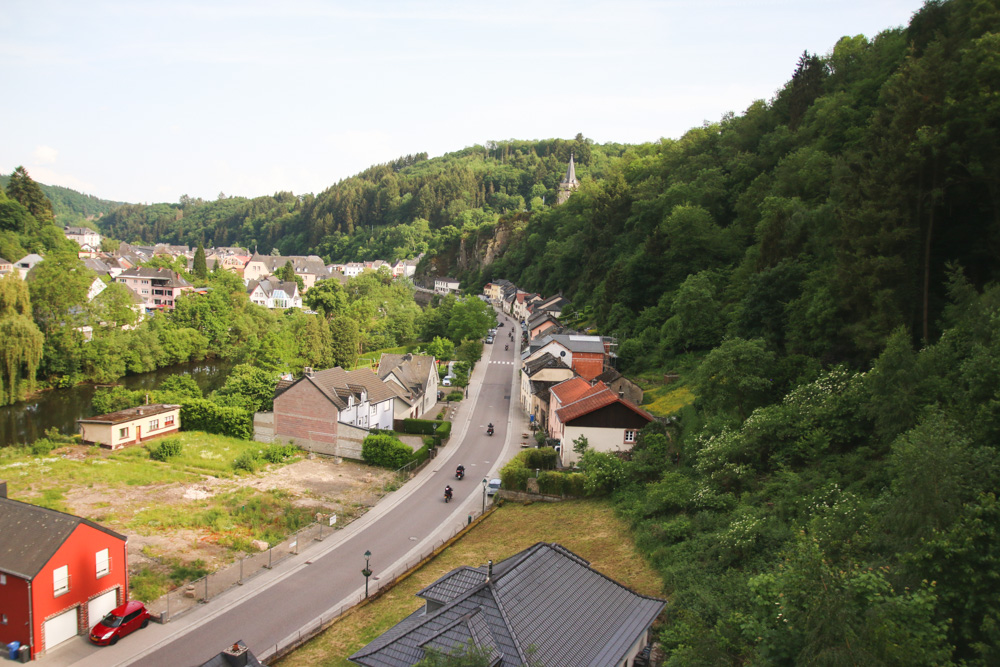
(568,183)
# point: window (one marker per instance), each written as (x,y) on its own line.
(168,420)
(103,561)
(60,581)
(629,436)
(154,424)
(123,432)
(3,579)
(3,619)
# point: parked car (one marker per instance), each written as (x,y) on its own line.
(489,339)
(493,487)
(119,622)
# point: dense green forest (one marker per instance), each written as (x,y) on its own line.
(390,211)
(71,208)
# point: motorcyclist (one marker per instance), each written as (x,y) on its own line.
(460,471)
(447,493)
(505,348)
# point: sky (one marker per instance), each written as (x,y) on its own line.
(147,101)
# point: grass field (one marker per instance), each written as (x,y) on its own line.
(588,528)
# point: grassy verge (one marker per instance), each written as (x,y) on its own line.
(586,527)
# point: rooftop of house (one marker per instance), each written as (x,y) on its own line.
(544,605)
(32,535)
(271,284)
(169,278)
(412,370)
(337,384)
(301,264)
(573,389)
(542,362)
(130,414)
(595,400)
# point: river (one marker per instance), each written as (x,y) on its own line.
(27,421)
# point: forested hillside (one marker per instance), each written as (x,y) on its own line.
(72,208)
(390,211)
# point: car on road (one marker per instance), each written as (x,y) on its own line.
(493,487)
(119,622)
(489,339)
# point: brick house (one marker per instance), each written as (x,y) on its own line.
(312,409)
(59,574)
(131,426)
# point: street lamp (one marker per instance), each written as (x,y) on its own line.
(367,572)
(485,482)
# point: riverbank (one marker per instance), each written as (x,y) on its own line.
(193,513)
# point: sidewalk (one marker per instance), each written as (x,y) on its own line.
(79,652)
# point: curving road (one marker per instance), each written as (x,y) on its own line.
(325,576)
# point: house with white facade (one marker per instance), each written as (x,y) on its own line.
(84,237)
(446,285)
(417,378)
(274,293)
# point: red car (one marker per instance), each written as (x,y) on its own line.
(121,621)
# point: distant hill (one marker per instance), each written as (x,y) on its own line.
(72,208)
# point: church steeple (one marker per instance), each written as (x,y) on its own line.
(569,182)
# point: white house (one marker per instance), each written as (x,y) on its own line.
(446,285)
(274,293)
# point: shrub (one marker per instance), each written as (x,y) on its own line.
(544,458)
(247,461)
(198,414)
(455,396)
(42,447)
(165,449)
(278,453)
(385,451)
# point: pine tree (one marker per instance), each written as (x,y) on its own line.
(200,264)
(25,191)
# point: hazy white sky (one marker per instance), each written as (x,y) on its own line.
(146,101)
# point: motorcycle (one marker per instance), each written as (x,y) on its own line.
(505,348)
(447,494)
(489,430)
(460,473)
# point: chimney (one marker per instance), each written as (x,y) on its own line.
(3,489)
(307,371)
(236,655)
(489,570)
(621,393)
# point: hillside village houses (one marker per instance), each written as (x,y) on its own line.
(272,292)
(84,237)
(446,285)
(568,384)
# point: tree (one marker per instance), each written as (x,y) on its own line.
(736,375)
(27,192)
(249,387)
(327,297)
(20,340)
(200,266)
(441,349)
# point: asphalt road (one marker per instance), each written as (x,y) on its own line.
(325,576)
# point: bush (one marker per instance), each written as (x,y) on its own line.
(42,447)
(278,453)
(544,458)
(419,426)
(385,451)
(165,449)
(247,461)
(198,414)
(455,396)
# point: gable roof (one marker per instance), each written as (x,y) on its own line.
(545,605)
(32,535)
(270,284)
(310,264)
(572,390)
(544,361)
(412,370)
(593,401)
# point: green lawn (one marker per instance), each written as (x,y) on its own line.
(586,527)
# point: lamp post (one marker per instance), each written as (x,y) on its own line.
(367,572)
(485,482)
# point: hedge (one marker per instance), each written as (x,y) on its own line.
(199,414)
(386,451)
(439,430)
(521,468)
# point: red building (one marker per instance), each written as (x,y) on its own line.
(59,574)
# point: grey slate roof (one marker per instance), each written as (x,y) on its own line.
(411,369)
(32,535)
(545,605)
(310,264)
(544,361)
(271,283)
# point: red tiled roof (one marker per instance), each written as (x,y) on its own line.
(571,390)
(596,401)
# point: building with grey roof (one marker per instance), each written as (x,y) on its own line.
(416,376)
(545,605)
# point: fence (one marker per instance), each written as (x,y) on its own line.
(376,588)
(187,596)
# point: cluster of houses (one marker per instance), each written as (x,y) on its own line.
(569,387)
(159,289)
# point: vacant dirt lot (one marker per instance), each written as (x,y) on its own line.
(322,485)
